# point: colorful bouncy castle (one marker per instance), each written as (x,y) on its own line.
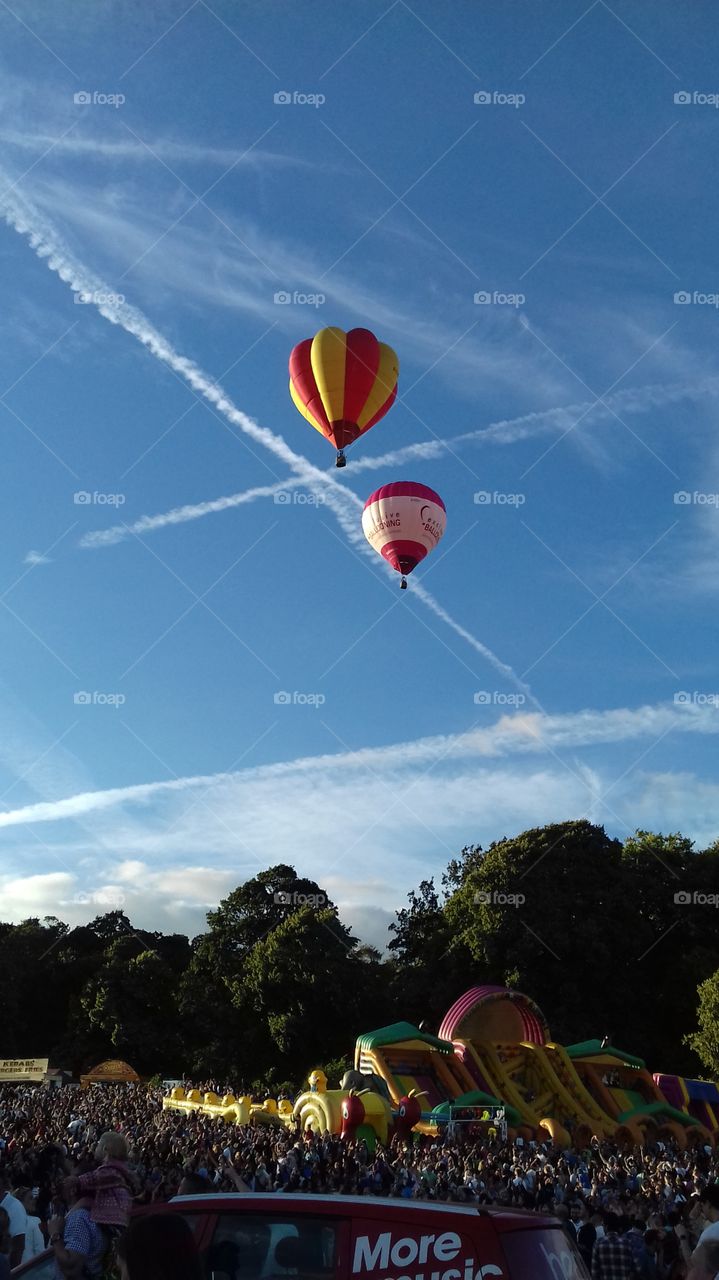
(493,1056)
(494,1048)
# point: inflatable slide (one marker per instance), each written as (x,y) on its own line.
(493,1050)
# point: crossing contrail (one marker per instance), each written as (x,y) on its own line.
(505,431)
(21,215)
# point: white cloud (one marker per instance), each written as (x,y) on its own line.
(36,557)
(38,894)
(174,899)
(224,795)
(366,837)
(131,871)
(368,923)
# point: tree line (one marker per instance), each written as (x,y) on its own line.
(610,938)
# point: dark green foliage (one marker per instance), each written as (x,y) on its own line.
(608,938)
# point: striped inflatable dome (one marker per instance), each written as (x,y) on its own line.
(495,1014)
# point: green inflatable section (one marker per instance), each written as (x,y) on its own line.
(397,1032)
(592,1048)
(662,1110)
(367,1133)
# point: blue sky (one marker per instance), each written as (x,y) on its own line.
(531,672)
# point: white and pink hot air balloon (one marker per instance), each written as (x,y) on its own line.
(403,521)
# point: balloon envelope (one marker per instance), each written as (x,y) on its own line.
(343,383)
(403,521)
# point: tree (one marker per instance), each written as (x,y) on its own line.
(429,963)
(674,937)
(223,1032)
(130,1006)
(546,912)
(30,1019)
(254,909)
(110,926)
(305,985)
(705,1041)
(609,939)
(216,1043)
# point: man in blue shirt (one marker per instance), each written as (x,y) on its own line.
(79,1246)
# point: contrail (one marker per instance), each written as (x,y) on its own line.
(421,592)
(21,216)
(504,431)
(508,736)
(562,418)
(164,148)
(180,515)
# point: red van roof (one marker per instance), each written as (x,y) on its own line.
(504,1219)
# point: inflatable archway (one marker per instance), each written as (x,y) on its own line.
(495,1015)
(112,1071)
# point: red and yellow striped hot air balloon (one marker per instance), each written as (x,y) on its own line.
(343,383)
(403,522)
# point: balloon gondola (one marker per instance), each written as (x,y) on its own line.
(343,383)
(403,522)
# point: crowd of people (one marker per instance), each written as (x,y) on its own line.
(102,1150)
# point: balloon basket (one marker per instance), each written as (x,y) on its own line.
(403,585)
(341,460)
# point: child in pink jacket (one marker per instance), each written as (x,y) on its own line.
(107,1192)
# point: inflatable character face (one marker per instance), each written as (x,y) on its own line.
(409,1112)
(353,1114)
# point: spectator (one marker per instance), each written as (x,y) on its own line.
(654,1243)
(17,1221)
(586,1232)
(642,1256)
(193,1153)
(107,1191)
(705,1262)
(158,1247)
(194,1184)
(709,1206)
(613,1256)
(78,1243)
(34,1239)
(562,1213)
(4,1245)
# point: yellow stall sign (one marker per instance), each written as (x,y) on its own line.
(23,1070)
